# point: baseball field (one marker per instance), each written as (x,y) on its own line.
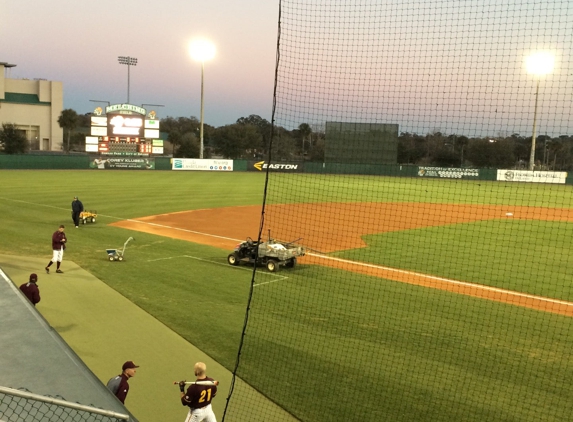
(419,299)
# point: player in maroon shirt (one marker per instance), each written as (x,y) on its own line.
(119,385)
(30,289)
(58,245)
(198,397)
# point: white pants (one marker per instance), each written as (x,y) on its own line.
(58,255)
(204,414)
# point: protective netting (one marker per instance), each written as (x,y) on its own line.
(437,280)
(22,406)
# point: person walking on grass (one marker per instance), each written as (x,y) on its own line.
(58,245)
(30,289)
(77,209)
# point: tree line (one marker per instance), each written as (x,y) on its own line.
(249,138)
(502,151)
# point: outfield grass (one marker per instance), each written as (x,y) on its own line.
(344,188)
(324,344)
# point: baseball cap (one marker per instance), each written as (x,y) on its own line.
(33,277)
(128,365)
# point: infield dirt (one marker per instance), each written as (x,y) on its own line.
(330,227)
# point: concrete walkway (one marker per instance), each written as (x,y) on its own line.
(105,330)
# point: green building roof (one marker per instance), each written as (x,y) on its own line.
(15,97)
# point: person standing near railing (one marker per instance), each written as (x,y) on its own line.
(31,290)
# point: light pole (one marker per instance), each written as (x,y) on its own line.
(129,61)
(202,50)
(153,105)
(100,101)
(538,64)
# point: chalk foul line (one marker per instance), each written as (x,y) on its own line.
(509,293)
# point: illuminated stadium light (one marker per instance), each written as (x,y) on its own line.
(201,50)
(538,64)
(129,61)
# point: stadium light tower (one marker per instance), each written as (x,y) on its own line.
(153,105)
(538,64)
(101,101)
(129,61)
(201,51)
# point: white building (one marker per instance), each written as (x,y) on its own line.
(34,106)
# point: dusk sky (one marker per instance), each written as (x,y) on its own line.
(455,66)
(450,66)
(78,43)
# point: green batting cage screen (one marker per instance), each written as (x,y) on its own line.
(361,143)
(435,297)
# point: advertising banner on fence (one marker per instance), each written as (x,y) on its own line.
(532,176)
(448,173)
(109,163)
(201,165)
(282,167)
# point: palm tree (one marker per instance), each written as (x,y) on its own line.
(68,120)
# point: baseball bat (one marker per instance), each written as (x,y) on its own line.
(198,382)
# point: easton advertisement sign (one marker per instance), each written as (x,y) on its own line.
(280,167)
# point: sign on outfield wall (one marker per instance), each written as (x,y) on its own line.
(281,167)
(448,173)
(532,176)
(107,163)
(201,165)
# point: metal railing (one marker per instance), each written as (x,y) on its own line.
(18,405)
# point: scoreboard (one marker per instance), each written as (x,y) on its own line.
(124,129)
(120,125)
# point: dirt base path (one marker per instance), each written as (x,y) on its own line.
(331,227)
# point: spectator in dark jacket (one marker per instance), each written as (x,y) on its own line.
(77,209)
(30,289)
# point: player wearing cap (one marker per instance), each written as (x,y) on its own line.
(198,397)
(58,245)
(30,289)
(119,385)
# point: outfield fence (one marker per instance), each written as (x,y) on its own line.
(63,162)
(23,406)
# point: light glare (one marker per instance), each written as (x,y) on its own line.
(540,63)
(202,50)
